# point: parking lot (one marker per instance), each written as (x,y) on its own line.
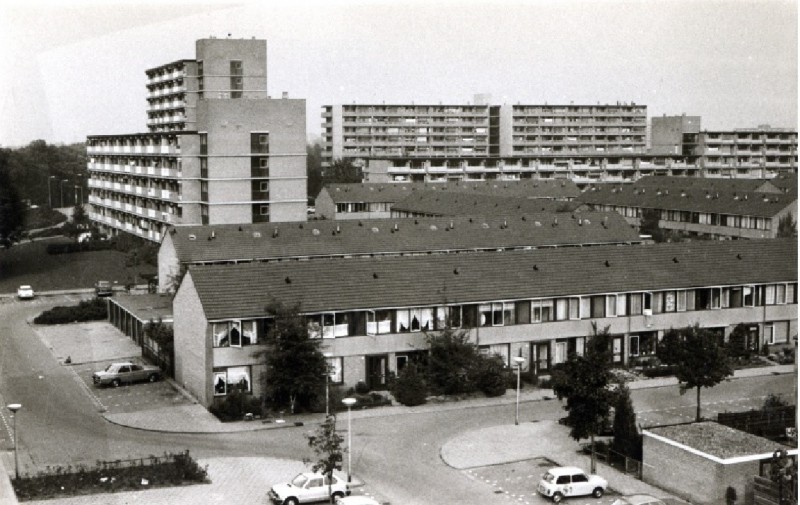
(518,482)
(131,397)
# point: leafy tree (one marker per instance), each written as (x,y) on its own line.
(12,209)
(342,171)
(737,342)
(79,222)
(489,376)
(584,382)
(699,360)
(627,440)
(314,169)
(163,335)
(451,360)
(295,368)
(409,387)
(649,225)
(327,447)
(787,227)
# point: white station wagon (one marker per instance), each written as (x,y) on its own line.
(308,487)
(564,481)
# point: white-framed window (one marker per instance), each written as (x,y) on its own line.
(263,210)
(716,298)
(585,307)
(263,139)
(232,378)
(379,322)
(633,345)
(448,316)
(769,294)
(235,333)
(748,296)
(611,306)
(324,325)
(680,301)
(780,294)
(263,186)
(421,319)
(335,370)
(542,310)
(263,162)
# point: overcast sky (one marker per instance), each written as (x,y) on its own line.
(68,71)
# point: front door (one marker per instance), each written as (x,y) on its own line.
(542,358)
(752,339)
(377,370)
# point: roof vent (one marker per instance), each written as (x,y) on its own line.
(288,280)
(396,227)
(452,224)
(605,221)
(315,232)
(360,223)
(301,226)
(555,221)
(675,259)
(374,275)
(240,228)
(256,234)
(275,232)
(433,227)
(192,237)
(738,256)
(536,268)
(338,229)
(580,221)
(485,226)
(607,264)
(456,271)
(375,229)
(537,223)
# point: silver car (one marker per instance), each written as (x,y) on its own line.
(117,374)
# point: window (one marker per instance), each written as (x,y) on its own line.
(232,378)
(263,186)
(421,319)
(611,306)
(635,304)
(335,373)
(379,321)
(323,325)
(220,334)
(263,162)
(263,210)
(780,294)
(203,143)
(634,345)
(680,301)
(669,301)
(542,310)
(448,317)
(748,296)
(235,333)
(259,143)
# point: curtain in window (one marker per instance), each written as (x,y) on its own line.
(249,334)
(328,322)
(622,301)
(635,300)
(342,327)
(314,326)
(220,331)
(335,370)
(220,383)
(574,308)
(669,301)
(403,321)
(690,299)
(485,311)
(780,294)
(239,377)
(561,309)
(680,301)
(769,294)
(235,333)
(508,314)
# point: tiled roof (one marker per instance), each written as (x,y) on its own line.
(145,307)
(694,200)
(716,439)
(785,182)
(393,192)
(446,203)
(705,183)
(345,284)
(381,236)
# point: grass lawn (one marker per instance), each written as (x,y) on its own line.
(29,263)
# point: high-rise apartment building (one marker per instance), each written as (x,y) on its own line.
(586,143)
(218,149)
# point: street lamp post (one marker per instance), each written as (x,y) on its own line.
(61,188)
(14,407)
(49,191)
(518,361)
(349,402)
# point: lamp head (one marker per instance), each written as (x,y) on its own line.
(349,401)
(519,360)
(14,407)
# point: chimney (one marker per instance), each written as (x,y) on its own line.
(285,95)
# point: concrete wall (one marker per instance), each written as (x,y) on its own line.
(324,205)
(193,363)
(216,55)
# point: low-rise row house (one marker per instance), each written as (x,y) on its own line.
(373,314)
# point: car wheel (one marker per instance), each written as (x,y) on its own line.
(337,495)
(557,497)
(598,492)
(291,501)
(153,377)
(115,383)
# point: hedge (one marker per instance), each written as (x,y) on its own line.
(659,371)
(73,247)
(87,310)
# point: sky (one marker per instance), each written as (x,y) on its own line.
(68,70)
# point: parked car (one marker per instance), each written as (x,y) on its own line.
(307,487)
(357,500)
(563,481)
(638,499)
(103,288)
(25,292)
(116,374)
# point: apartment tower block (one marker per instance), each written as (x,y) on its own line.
(218,149)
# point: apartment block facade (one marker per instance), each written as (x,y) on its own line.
(217,149)
(586,143)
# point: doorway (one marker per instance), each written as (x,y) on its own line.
(377,371)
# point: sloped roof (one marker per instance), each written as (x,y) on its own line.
(447,203)
(393,192)
(384,236)
(694,200)
(244,290)
(706,183)
(785,182)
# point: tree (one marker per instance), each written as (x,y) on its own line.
(163,335)
(787,227)
(342,171)
(584,382)
(451,359)
(313,169)
(627,440)
(296,370)
(78,224)
(327,446)
(12,209)
(699,360)
(409,387)
(649,225)
(737,342)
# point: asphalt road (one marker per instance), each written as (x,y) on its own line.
(398,456)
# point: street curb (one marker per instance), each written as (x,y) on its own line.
(275,426)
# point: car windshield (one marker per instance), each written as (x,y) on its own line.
(24,287)
(110,368)
(548,477)
(300,480)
